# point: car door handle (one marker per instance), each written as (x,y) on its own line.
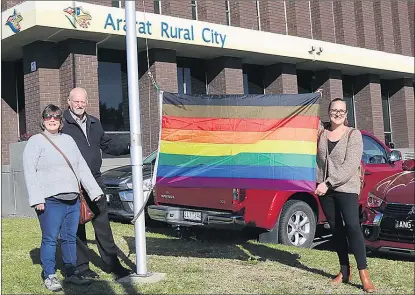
(368,173)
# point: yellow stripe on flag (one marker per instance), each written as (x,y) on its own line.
(264,146)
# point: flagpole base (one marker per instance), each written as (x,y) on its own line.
(150,277)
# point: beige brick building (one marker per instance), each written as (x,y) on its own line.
(360,50)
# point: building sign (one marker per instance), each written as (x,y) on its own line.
(168,31)
(14,21)
(77,15)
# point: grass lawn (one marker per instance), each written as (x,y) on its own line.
(220,264)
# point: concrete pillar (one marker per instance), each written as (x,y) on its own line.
(331,83)
(224,75)
(401,93)
(280,78)
(368,102)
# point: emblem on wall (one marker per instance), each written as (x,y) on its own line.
(77,16)
(14,21)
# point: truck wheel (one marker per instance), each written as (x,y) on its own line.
(297,225)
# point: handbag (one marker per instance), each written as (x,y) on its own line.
(86,213)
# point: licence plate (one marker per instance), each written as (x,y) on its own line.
(405,224)
(192,215)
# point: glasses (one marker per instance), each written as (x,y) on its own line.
(340,112)
(49,117)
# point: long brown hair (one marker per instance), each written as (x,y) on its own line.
(346,122)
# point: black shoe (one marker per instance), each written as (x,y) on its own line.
(89,274)
(76,279)
(120,272)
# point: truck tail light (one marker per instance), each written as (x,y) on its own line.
(238,196)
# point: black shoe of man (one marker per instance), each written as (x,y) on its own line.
(89,274)
(120,272)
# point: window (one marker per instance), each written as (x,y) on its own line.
(258,15)
(111,100)
(157,7)
(246,90)
(116,4)
(348,96)
(253,79)
(228,13)
(194,10)
(305,81)
(386,117)
(184,80)
(373,152)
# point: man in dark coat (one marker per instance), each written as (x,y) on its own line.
(90,137)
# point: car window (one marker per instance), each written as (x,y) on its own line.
(150,159)
(373,152)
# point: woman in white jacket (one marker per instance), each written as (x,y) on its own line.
(54,193)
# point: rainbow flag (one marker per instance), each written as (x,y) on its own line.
(239,141)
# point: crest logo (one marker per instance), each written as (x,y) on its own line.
(78,16)
(14,21)
(412,212)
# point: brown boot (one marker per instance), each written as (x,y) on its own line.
(340,279)
(366,282)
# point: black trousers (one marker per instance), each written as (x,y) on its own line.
(339,207)
(103,236)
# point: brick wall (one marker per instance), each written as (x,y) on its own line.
(100,2)
(244,14)
(365,24)
(345,22)
(402,112)
(176,8)
(148,6)
(368,104)
(331,83)
(298,18)
(224,76)
(411,16)
(273,18)
(323,20)
(164,70)
(78,67)
(401,27)
(6,4)
(280,78)
(42,86)
(66,75)
(9,132)
(211,11)
(384,26)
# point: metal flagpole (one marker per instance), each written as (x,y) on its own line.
(135,135)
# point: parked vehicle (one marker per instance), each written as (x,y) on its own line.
(119,188)
(285,217)
(389,216)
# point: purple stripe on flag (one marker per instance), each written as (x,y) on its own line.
(271,184)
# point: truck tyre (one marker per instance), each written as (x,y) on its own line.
(297,224)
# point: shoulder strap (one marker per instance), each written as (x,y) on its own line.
(66,159)
(320,132)
(350,133)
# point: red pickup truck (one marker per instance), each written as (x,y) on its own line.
(284,217)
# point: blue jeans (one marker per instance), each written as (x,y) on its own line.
(59,217)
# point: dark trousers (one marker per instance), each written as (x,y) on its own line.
(59,218)
(103,236)
(339,207)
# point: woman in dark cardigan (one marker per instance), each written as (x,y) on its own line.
(339,153)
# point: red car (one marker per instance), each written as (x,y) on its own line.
(389,216)
(284,217)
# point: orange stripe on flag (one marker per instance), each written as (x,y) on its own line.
(229,137)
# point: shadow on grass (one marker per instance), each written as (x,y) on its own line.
(223,245)
(96,286)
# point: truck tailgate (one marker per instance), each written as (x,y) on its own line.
(212,198)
